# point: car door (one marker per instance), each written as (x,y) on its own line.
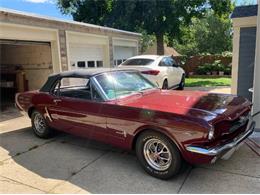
(166,64)
(76,112)
(177,71)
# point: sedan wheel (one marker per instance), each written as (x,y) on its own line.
(182,83)
(165,84)
(39,125)
(158,155)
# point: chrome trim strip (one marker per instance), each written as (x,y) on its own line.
(47,114)
(17,102)
(219,149)
(99,88)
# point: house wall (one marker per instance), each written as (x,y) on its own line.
(237,24)
(246,61)
(256,94)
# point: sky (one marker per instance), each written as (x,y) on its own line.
(41,7)
(49,8)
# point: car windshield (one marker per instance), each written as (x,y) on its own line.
(121,83)
(138,62)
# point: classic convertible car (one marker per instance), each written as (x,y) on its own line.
(123,108)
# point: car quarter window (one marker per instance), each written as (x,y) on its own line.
(167,61)
(80,88)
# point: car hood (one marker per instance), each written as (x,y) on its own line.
(207,106)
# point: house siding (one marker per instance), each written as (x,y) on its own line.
(247,47)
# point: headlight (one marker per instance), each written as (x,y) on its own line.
(211,133)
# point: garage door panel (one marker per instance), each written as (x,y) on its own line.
(121,53)
(85,54)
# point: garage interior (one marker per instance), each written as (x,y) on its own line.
(24,66)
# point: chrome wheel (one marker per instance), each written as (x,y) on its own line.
(157,154)
(39,123)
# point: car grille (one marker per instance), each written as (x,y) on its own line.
(239,123)
(226,128)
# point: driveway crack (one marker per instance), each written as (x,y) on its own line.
(78,171)
(185,179)
(229,172)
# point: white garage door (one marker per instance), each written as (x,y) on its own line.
(121,53)
(86,56)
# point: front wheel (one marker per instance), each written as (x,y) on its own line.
(158,155)
(182,83)
(40,126)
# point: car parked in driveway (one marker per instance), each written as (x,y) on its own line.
(161,70)
(123,108)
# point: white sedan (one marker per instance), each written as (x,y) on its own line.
(162,70)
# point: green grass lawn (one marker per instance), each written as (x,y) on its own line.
(207,82)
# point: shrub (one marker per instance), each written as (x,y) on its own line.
(203,69)
(227,70)
(216,66)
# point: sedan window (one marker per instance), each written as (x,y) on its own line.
(167,61)
(118,84)
(138,62)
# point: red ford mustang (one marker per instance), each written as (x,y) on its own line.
(123,108)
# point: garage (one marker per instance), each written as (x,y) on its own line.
(124,49)
(32,47)
(25,65)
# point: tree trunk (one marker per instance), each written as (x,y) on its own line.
(160,45)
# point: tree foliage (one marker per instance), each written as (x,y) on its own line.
(155,17)
(210,34)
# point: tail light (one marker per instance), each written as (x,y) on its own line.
(151,72)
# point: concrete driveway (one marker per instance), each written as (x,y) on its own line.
(68,164)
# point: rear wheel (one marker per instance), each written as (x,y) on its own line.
(40,126)
(158,155)
(165,84)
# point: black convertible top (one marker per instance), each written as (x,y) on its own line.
(82,73)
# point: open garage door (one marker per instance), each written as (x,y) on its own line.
(25,65)
(86,56)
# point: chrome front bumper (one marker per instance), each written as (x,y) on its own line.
(219,150)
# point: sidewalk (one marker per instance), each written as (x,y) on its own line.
(219,89)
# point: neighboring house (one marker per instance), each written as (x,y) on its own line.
(42,45)
(167,50)
(246,55)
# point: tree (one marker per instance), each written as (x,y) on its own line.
(210,34)
(155,17)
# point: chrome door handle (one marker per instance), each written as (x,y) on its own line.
(56,100)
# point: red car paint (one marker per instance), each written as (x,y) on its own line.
(184,116)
